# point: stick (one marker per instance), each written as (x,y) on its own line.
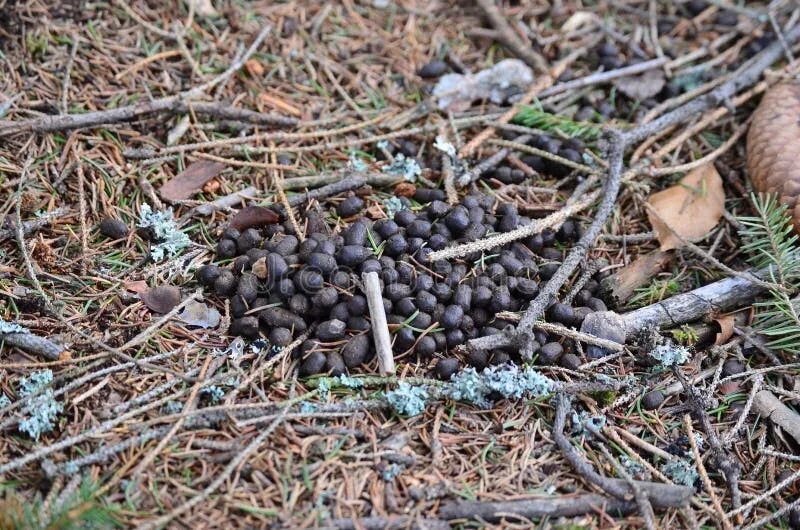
(227,201)
(36,345)
(769,406)
(577,253)
(509,39)
(661,495)
(489,163)
(28,227)
(380,329)
(720,296)
(488,243)
(604,77)
(399,522)
(561,506)
(177,102)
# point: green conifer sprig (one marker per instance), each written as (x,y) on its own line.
(534,116)
(770,244)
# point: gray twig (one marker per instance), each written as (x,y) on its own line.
(380,329)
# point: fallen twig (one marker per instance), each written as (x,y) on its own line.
(551,221)
(35,344)
(28,227)
(661,495)
(769,406)
(505,34)
(380,330)
(176,103)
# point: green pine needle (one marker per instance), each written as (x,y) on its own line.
(535,117)
(78,510)
(770,243)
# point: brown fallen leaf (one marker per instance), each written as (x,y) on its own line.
(729,387)
(136,286)
(689,209)
(253,216)
(726,324)
(405,189)
(254,67)
(189,181)
(643,86)
(199,314)
(161,299)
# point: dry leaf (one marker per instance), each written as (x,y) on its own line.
(161,299)
(726,324)
(259,268)
(643,86)
(136,286)
(191,180)
(405,189)
(199,314)
(253,216)
(254,67)
(212,186)
(578,20)
(204,8)
(689,209)
(729,387)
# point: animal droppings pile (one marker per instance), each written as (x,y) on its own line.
(281,288)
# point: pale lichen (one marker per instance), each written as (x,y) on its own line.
(408,400)
(213,393)
(408,168)
(670,354)
(584,423)
(41,407)
(681,472)
(11,327)
(170,240)
(393,205)
(508,381)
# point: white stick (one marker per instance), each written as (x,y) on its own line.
(380,329)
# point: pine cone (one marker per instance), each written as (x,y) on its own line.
(773,146)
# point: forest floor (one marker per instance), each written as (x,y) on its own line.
(120,408)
